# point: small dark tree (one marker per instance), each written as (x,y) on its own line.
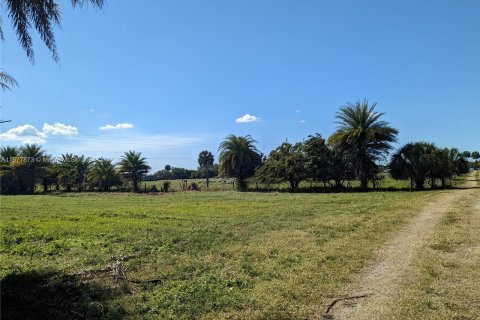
(413,161)
(205,160)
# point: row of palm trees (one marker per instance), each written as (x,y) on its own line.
(422,161)
(24,168)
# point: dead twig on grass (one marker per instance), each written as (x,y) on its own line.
(116,270)
(326,315)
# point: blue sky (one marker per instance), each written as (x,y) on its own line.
(172,77)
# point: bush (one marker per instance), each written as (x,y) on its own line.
(166,186)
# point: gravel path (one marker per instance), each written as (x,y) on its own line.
(380,281)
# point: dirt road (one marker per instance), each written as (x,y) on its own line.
(379,283)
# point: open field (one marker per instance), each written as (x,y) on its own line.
(212,255)
(217,255)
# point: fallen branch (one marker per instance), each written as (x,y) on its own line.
(115,269)
(331,305)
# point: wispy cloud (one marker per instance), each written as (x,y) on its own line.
(117,126)
(303,121)
(59,129)
(247,118)
(25,134)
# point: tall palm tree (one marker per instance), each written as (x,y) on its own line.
(42,15)
(29,166)
(238,158)
(66,171)
(205,160)
(103,174)
(133,165)
(361,132)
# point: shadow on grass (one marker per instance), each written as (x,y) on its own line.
(50,295)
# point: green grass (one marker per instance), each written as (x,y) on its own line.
(214,255)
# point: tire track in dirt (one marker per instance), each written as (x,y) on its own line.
(379,282)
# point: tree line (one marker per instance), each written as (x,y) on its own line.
(355,151)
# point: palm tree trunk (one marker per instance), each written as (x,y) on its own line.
(363,173)
(241,185)
(135,182)
(208,181)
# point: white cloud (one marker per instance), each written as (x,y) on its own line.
(247,118)
(59,129)
(303,121)
(117,126)
(25,134)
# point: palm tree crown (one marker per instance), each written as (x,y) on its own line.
(103,174)
(7,81)
(238,158)
(133,164)
(361,132)
(42,15)
(7,154)
(205,160)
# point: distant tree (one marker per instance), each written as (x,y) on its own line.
(238,158)
(175,173)
(7,154)
(364,135)
(73,171)
(442,166)
(29,167)
(104,175)
(340,167)
(413,161)
(50,174)
(466,154)
(317,154)
(287,163)
(133,165)
(8,181)
(459,161)
(205,160)
(475,155)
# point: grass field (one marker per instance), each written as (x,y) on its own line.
(207,255)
